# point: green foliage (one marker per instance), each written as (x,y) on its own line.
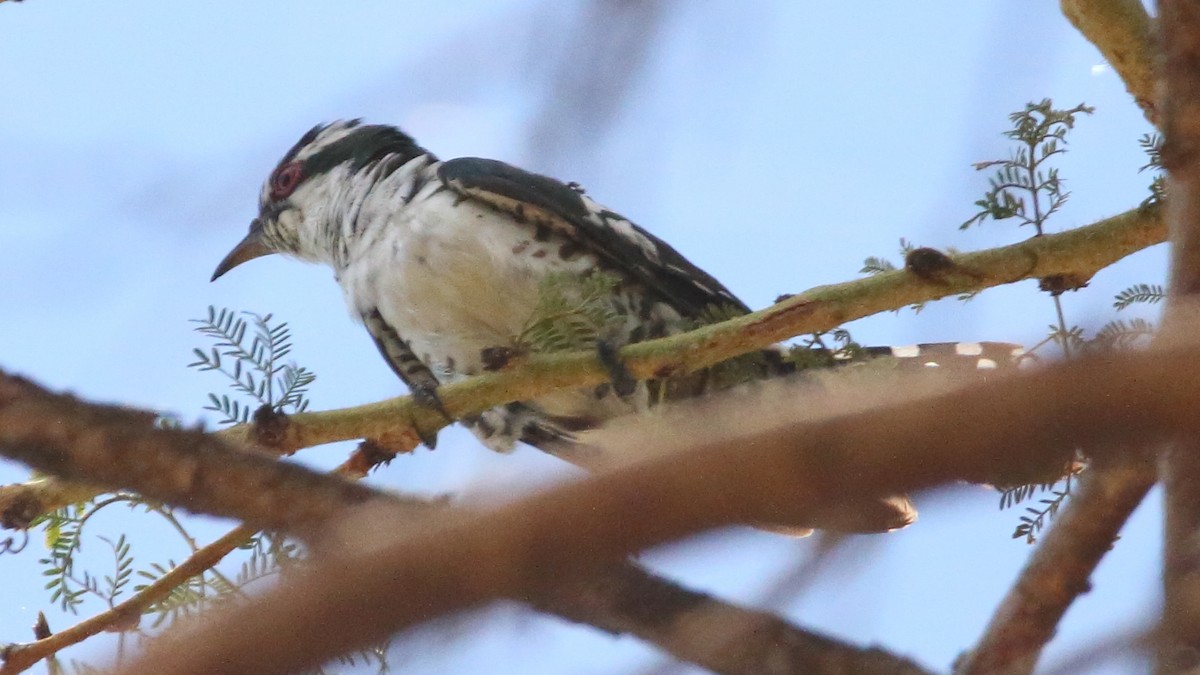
(63,531)
(874,265)
(573,313)
(256,369)
(1040,131)
(1036,518)
(815,351)
(250,352)
(1121,334)
(1152,145)
(1140,293)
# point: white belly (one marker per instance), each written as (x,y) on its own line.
(454,280)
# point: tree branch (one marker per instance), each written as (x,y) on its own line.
(620,598)
(1179,648)
(1124,34)
(697,628)
(115,447)
(1007,429)
(1058,571)
(20,657)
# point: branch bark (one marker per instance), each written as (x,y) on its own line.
(116,447)
(1179,648)
(619,598)
(1124,33)
(1002,430)
(1058,571)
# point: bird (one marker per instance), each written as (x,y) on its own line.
(445,262)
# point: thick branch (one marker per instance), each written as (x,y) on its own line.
(620,598)
(1017,424)
(1124,34)
(1180,644)
(117,447)
(1058,571)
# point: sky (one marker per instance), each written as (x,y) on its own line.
(776,143)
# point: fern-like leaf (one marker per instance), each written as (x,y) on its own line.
(1140,293)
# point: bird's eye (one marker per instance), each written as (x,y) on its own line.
(285,180)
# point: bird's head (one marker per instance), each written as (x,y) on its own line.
(300,200)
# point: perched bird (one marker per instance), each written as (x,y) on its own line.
(443,261)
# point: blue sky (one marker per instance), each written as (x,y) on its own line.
(775,143)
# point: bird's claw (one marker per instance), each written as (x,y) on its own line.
(623,382)
(427,397)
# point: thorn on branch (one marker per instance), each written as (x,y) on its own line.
(41,627)
(270,426)
(928,264)
(933,266)
(1061,283)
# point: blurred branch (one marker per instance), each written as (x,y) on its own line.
(21,503)
(1014,425)
(595,71)
(1080,252)
(116,447)
(1124,33)
(700,629)
(1059,569)
(1179,648)
(16,658)
(620,598)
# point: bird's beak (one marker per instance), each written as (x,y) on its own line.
(247,249)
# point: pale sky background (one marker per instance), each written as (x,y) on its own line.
(775,143)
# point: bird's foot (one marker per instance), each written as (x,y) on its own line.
(427,397)
(623,382)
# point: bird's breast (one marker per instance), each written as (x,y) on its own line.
(455,278)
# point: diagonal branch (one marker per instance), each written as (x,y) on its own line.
(1124,33)
(1059,569)
(20,657)
(1003,430)
(114,447)
(619,598)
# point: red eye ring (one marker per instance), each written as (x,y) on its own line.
(285,180)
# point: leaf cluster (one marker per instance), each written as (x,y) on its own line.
(573,313)
(1152,145)
(1040,131)
(1036,518)
(63,531)
(253,364)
